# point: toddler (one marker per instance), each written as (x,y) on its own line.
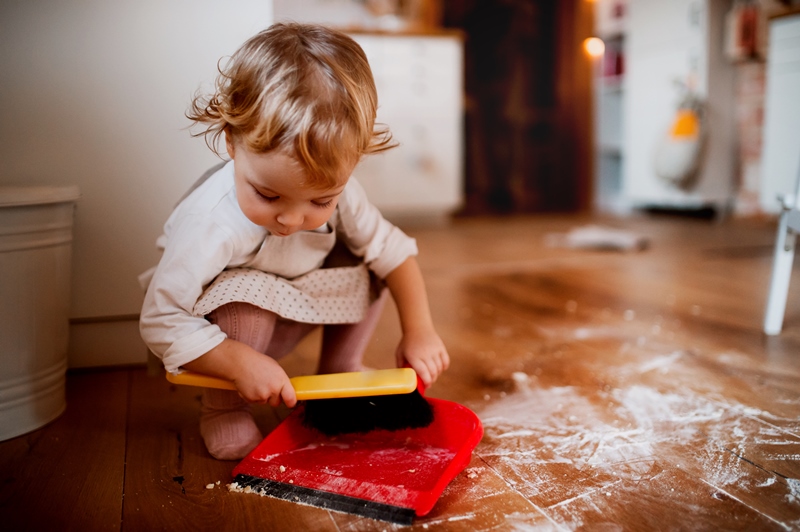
(280,239)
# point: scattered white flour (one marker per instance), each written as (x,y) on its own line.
(523,522)
(536,431)
(662,363)
(520,377)
(794,486)
(517,433)
(769,482)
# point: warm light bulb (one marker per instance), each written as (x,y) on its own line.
(594,46)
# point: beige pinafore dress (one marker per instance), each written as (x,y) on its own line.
(340,290)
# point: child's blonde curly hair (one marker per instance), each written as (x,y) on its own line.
(304,90)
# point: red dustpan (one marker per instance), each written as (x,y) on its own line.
(385,475)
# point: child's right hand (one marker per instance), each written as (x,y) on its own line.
(263,380)
(257,377)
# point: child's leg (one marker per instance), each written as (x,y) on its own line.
(226,424)
(343,346)
(286,336)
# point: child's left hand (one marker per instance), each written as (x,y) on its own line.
(425,352)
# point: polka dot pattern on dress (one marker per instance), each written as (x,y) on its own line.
(329,295)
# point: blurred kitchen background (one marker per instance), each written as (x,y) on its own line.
(501,107)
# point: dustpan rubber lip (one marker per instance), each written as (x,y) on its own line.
(327,500)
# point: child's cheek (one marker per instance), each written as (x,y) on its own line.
(256,212)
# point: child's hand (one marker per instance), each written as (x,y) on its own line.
(263,380)
(425,352)
(257,377)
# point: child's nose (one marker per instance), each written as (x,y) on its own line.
(290,218)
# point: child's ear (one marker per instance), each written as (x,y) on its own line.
(229,143)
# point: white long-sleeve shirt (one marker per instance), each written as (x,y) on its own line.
(208,233)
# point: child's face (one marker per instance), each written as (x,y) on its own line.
(269,195)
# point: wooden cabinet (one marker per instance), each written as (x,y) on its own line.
(419,81)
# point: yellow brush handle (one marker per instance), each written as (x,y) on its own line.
(355,384)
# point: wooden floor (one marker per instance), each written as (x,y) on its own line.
(618,391)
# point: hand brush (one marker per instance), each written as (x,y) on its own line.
(354,402)
(347,415)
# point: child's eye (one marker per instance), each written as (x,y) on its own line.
(323,205)
(265,197)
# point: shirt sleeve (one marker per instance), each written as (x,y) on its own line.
(382,245)
(196,251)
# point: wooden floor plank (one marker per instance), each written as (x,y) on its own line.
(68,475)
(669,499)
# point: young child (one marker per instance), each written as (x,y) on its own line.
(250,256)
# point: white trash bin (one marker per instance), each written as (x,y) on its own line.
(35,267)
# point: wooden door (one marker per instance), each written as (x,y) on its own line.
(528,104)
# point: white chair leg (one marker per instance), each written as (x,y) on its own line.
(781,273)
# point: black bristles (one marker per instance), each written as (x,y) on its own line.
(327,500)
(350,415)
